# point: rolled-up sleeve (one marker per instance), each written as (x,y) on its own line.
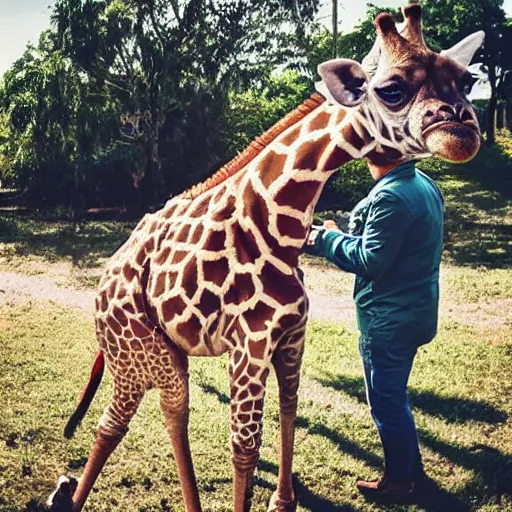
(372,253)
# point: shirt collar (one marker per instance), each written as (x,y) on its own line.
(407,169)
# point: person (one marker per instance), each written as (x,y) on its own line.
(396,257)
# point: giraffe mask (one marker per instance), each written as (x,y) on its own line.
(412,100)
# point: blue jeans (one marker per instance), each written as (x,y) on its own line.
(386,370)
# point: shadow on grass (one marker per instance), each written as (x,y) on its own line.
(343,444)
(479,192)
(449,408)
(212,390)
(85,243)
(305,496)
(432,498)
(492,468)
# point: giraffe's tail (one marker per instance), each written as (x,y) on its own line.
(87,395)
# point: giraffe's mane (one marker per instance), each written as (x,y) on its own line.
(255,147)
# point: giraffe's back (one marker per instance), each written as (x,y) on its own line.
(192,270)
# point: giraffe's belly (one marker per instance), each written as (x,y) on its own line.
(210,331)
(199,336)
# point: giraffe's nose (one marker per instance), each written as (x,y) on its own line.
(445,112)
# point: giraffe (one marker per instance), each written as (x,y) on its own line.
(216,269)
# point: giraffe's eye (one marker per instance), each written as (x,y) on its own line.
(393,93)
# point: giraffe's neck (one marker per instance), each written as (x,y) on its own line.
(281,187)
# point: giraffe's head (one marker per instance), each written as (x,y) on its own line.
(411,100)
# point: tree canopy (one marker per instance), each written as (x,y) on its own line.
(126,102)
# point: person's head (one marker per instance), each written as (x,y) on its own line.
(411,100)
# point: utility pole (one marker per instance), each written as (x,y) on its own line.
(334,29)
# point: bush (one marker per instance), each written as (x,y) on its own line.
(346,187)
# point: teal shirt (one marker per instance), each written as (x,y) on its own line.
(396,259)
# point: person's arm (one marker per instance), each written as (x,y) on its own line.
(372,253)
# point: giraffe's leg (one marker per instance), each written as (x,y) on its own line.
(248,377)
(287,361)
(113,427)
(174,400)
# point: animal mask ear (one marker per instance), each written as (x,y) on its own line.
(345,81)
(463,52)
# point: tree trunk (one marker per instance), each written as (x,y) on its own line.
(491,119)
(334,29)
(152,189)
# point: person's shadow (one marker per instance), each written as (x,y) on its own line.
(492,468)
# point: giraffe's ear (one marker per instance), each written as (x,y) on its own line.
(345,81)
(463,51)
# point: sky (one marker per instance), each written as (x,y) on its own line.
(22,21)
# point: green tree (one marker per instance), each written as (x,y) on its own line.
(251,112)
(171,65)
(54,123)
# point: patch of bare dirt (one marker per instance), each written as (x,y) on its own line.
(330,294)
(329,291)
(480,315)
(16,288)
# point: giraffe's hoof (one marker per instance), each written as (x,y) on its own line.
(278,504)
(61,500)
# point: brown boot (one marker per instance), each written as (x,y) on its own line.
(396,491)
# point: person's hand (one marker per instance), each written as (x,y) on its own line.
(329,224)
(314,232)
(311,246)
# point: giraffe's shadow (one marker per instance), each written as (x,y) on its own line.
(304,495)
(223,398)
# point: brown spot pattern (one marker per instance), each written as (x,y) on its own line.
(320,121)
(140,331)
(120,316)
(169,212)
(309,154)
(226,212)
(257,349)
(196,236)
(270,167)
(297,194)
(189,279)
(182,236)
(114,325)
(163,256)
(247,249)
(208,303)
(336,158)
(281,287)
(241,290)
(258,316)
(172,307)
(289,226)
(159,285)
(216,241)
(291,136)
(178,256)
(200,209)
(216,271)
(190,330)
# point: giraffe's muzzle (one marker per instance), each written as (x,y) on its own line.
(453,141)
(451,125)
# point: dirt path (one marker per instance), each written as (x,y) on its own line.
(329,292)
(15,288)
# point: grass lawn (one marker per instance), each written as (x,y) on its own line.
(461,389)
